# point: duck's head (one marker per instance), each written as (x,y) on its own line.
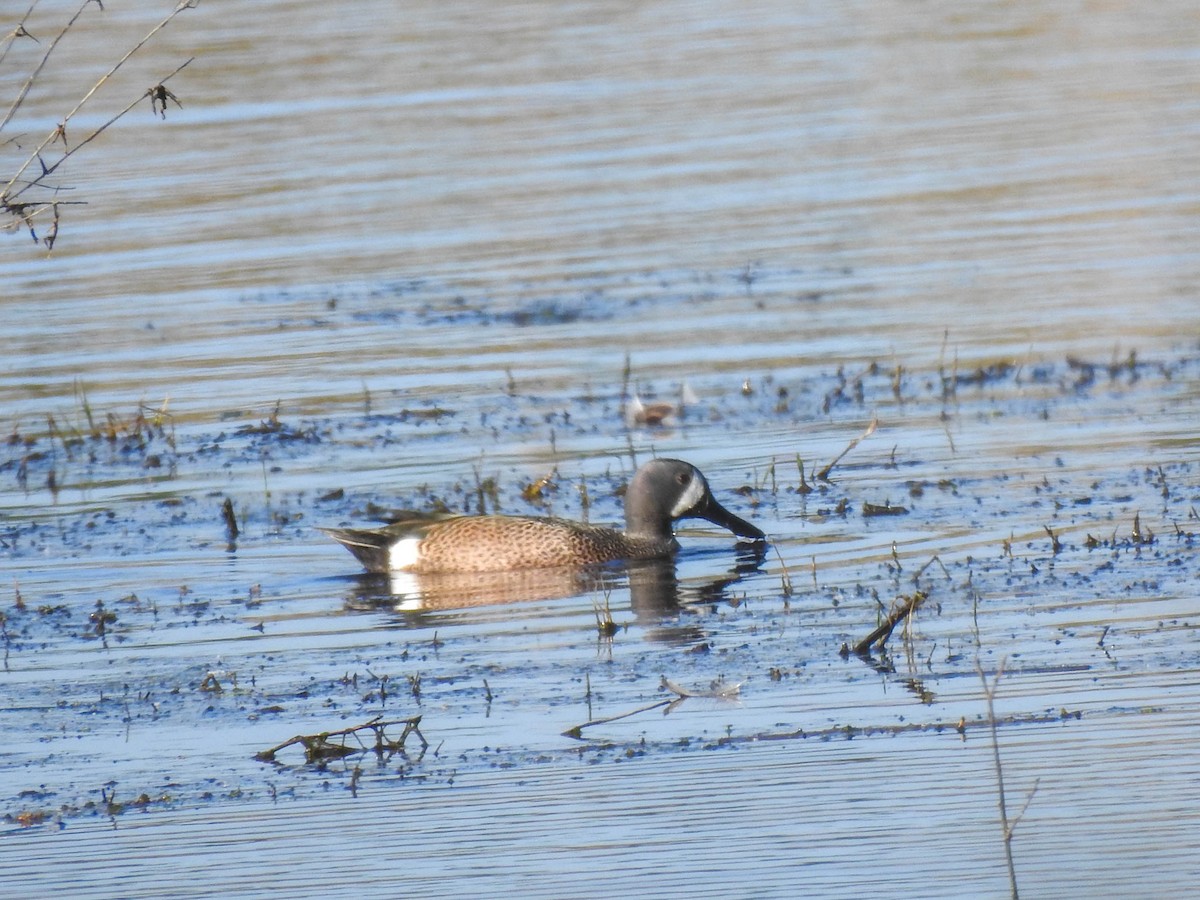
(665,490)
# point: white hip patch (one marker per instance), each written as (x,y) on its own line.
(403,554)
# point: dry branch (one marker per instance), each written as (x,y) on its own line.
(576,731)
(823,475)
(1007,825)
(319,747)
(17,185)
(721,692)
(905,606)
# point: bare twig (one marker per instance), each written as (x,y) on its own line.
(989,696)
(905,606)
(823,475)
(60,130)
(723,692)
(1024,806)
(576,731)
(317,747)
(18,32)
(24,91)
(20,182)
(933,559)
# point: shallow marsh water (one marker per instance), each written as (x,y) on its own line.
(401,257)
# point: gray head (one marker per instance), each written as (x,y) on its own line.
(664,490)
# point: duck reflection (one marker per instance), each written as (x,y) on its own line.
(657,595)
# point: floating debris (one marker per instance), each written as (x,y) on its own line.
(319,747)
(904,607)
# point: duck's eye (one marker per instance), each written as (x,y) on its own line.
(684,477)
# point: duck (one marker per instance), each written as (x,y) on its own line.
(661,492)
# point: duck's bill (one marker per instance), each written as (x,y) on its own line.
(719,515)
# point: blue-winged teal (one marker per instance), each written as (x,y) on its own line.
(661,491)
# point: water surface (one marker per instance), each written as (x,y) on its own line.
(404,257)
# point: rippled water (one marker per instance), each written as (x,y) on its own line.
(404,257)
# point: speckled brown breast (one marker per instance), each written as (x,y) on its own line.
(494,543)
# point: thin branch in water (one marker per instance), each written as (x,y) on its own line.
(823,475)
(1024,806)
(317,747)
(949,437)
(681,694)
(933,559)
(1007,827)
(576,731)
(904,607)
